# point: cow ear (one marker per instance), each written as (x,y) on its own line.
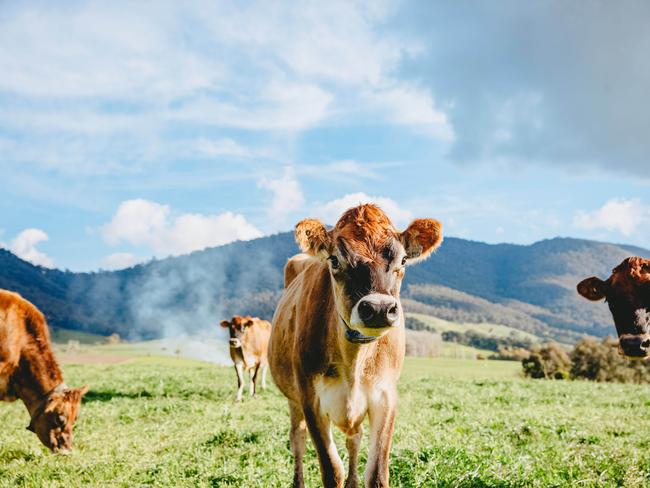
(225,323)
(421,238)
(593,289)
(82,390)
(312,236)
(248,323)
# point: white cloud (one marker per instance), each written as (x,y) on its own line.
(287,197)
(342,169)
(414,107)
(145,223)
(331,211)
(616,215)
(101,87)
(220,147)
(119,260)
(24,246)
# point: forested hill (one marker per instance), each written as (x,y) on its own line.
(531,287)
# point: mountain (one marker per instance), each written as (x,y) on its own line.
(531,288)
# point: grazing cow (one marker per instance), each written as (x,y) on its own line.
(249,343)
(627,292)
(337,343)
(29,371)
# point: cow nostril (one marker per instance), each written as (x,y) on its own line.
(392,310)
(645,345)
(366,311)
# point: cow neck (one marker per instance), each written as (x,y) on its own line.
(238,353)
(38,376)
(354,354)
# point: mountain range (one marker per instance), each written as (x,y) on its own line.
(528,287)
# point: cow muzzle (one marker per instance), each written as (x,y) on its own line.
(235,343)
(374,314)
(634,346)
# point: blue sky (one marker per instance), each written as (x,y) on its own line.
(136,130)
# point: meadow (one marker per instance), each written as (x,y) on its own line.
(165,421)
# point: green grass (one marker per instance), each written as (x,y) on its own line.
(489,329)
(169,422)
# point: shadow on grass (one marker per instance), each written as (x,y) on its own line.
(108,395)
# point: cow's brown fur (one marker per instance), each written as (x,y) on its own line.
(29,371)
(249,342)
(326,377)
(627,291)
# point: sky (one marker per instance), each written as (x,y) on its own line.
(133,130)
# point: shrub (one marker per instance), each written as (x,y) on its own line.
(600,361)
(550,361)
(416,324)
(511,354)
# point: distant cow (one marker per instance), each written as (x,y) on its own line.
(337,343)
(627,292)
(29,371)
(249,343)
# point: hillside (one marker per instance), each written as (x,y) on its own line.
(530,288)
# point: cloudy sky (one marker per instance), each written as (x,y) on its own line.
(139,129)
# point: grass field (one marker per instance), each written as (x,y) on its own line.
(155,421)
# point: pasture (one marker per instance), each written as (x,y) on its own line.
(165,421)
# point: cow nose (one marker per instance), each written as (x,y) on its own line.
(635,346)
(378,312)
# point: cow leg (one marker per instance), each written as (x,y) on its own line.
(352,443)
(253,384)
(239,368)
(382,424)
(297,438)
(331,466)
(264,370)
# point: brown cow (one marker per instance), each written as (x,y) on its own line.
(337,344)
(29,371)
(249,343)
(627,292)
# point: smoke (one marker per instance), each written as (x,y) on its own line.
(183,300)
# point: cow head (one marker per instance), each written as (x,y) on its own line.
(237,328)
(54,419)
(627,292)
(366,257)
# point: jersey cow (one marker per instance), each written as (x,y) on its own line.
(337,343)
(627,292)
(249,343)
(29,371)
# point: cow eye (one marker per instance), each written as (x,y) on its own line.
(335,262)
(404,261)
(645,268)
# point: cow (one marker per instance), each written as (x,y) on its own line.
(249,342)
(337,343)
(627,292)
(30,372)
